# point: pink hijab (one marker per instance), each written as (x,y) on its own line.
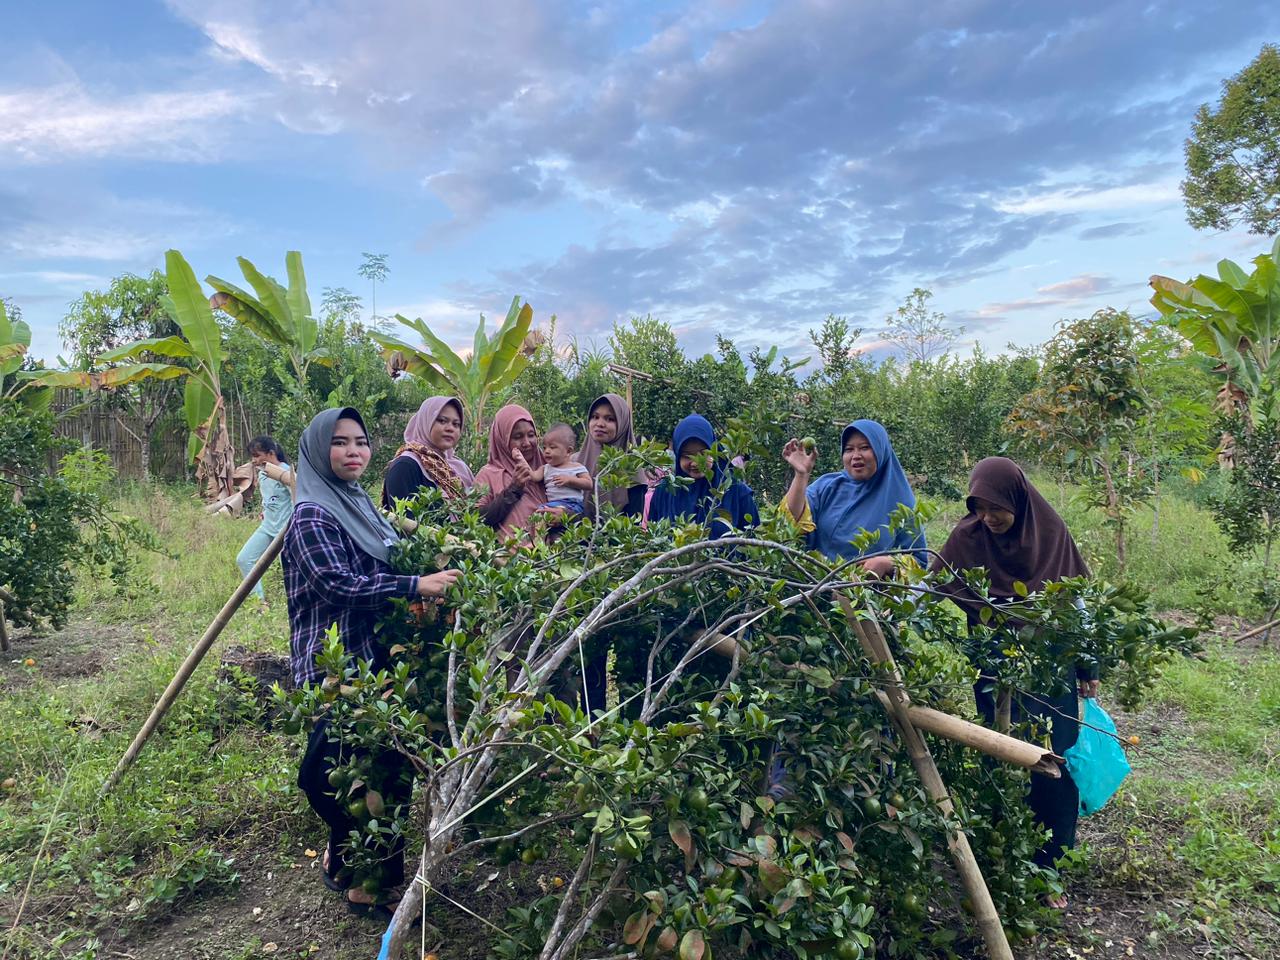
(500,471)
(418,433)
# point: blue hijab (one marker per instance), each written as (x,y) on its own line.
(704,498)
(843,507)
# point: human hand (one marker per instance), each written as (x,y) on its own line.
(1088,689)
(435,584)
(524,473)
(795,456)
(879,567)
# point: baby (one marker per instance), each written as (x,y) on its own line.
(565,479)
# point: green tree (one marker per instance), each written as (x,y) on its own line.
(917,331)
(1088,411)
(494,363)
(200,353)
(282,316)
(1233,321)
(130,309)
(1233,154)
(373,267)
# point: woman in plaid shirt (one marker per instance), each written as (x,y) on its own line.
(336,572)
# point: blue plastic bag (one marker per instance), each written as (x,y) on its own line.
(1096,761)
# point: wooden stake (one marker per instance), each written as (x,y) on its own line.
(1257,630)
(4,629)
(189,665)
(975,886)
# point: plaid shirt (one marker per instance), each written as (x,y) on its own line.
(328,580)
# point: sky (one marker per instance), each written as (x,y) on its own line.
(736,168)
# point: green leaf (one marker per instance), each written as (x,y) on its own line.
(448,361)
(174,347)
(273,297)
(244,308)
(189,308)
(198,403)
(511,337)
(306,330)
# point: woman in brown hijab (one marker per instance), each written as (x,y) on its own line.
(1012,534)
(609,425)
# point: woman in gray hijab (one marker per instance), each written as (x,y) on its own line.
(336,573)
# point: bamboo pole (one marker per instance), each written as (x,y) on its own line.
(1257,630)
(975,886)
(4,629)
(189,665)
(983,739)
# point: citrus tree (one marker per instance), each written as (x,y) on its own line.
(664,824)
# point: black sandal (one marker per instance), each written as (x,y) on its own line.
(333,883)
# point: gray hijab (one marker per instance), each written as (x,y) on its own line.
(345,499)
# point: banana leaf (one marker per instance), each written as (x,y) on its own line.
(440,352)
(305,329)
(189,308)
(174,347)
(245,308)
(272,297)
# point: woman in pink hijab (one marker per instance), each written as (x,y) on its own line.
(514,496)
(427,458)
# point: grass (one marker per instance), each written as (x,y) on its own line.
(210,813)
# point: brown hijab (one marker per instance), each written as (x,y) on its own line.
(500,471)
(1036,550)
(624,439)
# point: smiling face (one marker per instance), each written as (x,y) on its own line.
(994,517)
(691,454)
(262,457)
(524,437)
(859,459)
(603,423)
(447,429)
(349,449)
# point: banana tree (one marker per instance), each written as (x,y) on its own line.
(279,315)
(1233,320)
(199,354)
(494,362)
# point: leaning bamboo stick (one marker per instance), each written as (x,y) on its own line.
(4,629)
(983,739)
(193,660)
(975,886)
(1257,630)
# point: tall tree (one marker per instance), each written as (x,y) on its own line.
(1087,413)
(374,269)
(130,309)
(1233,154)
(920,333)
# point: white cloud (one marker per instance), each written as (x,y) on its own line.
(1080,199)
(54,122)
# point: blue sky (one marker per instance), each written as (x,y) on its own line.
(742,168)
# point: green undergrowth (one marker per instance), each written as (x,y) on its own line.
(1195,831)
(1199,819)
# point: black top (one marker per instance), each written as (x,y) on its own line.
(404,478)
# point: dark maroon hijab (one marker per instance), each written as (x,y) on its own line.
(1037,549)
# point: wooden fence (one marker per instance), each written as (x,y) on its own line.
(86,420)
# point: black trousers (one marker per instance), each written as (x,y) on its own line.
(321,756)
(1055,803)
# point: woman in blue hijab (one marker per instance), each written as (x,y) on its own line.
(720,502)
(836,508)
